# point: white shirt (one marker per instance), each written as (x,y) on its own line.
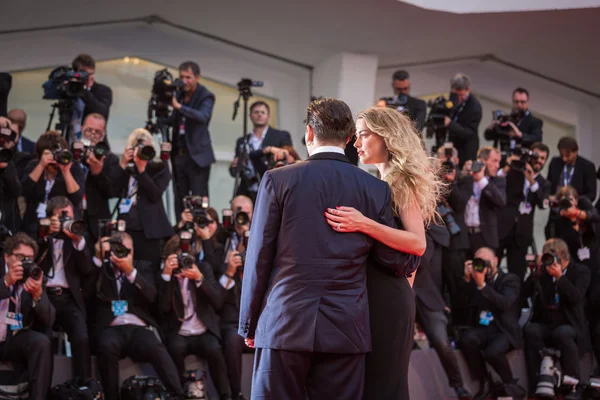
(328,149)
(60,278)
(472,209)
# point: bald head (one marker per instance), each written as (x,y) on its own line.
(244,203)
(19,117)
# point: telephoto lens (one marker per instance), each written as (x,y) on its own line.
(548,259)
(72,226)
(145,152)
(479,264)
(62,156)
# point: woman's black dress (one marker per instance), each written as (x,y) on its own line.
(392,313)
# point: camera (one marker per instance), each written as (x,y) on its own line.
(231,219)
(83,147)
(399,103)
(564,203)
(185,259)
(550,375)
(272,163)
(62,156)
(439,109)
(550,258)
(65,83)
(447,215)
(6,136)
(75,227)
(477,166)
(241,218)
(479,264)
(145,152)
(526,157)
(246,84)
(118,248)
(106,227)
(198,206)
(31,270)
(242,254)
(165,87)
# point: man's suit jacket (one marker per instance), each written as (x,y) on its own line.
(230,312)
(197,117)
(424,286)
(502,298)
(572,288)
(493,197)
(457,199)
(418,111)
(77,264)
(39,318)
(463,132)
(209,298)
(151,185)
(10,190)
(510,220)
(97,100)
(140,295)
(27,146)
(583,180)
(304,286)
(99,189)
(530,127)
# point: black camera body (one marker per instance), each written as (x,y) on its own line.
(65,83)
(106,227)
(145,152)
(447,216)
(31,270)
(82,148)
(117,248)
(526,157)
(163,90)
(550,258)
(398,103)
(6,136)
(240,217)
(438,110)
(185,259)
(198,206)
(479,264)
(62,156)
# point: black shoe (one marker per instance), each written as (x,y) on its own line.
(576,395)
(239,396)
(484,391)
(462,393)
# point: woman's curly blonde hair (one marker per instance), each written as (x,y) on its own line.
(413,175)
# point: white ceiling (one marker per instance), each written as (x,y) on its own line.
(478,6)
(559,44)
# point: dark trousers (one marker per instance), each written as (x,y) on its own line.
(233,348)
(188,177)
(33,349)
(564,338)
(515,255)
(454,272)
(487,344)
(281,374)
(72,319)
(595,331)
(435,324)
(206,346)
(140,344)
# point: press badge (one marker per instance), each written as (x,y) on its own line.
(525,208)
(125,206)
(119,307)
(583,253)
(41,210)
(485,318)
(14,320)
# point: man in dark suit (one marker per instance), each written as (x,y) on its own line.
(525,190)
(464,124)
(264,143)
(494,297)
(66,261)
(523,128)
(187,299)
(304,302)
(487,194)
(25,301)
(417,108)
(125,294)
(558,292)
(431,307)
(192,153)
(19,117)
(570,169)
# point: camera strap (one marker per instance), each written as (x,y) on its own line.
(568,175)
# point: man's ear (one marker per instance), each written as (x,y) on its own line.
(310,134)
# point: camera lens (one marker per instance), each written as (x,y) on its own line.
(186,260)
(242,218)
(5,155)
(75,227)
(119,250)
(548,259)
(479,264)
(146,153)
(100,150)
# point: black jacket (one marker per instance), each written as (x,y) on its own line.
(78,267)
(424,286)
(530,127)
(572,288)
(463,132)
(583,180)
(151,185)
(502,298)
(99,189)
(510,220)
(209,298)
(97,100)
(418,111)
(10,190)
(457,199)
(140,295)
(230,311)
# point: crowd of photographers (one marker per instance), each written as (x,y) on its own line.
(488,215)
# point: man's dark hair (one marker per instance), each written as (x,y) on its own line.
(20,238)
(173,245)
(331,120)
(400,75)
(541,147)
(521,90)
(56,203)
(260,103)
(49,141)
(195,68)
(567,143)
(83,60)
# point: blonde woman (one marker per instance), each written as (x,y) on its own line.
(388,139)
(141,183)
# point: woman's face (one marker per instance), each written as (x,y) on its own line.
(371,147)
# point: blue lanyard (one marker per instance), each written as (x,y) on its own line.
(567,176)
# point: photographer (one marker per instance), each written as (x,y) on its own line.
(126,292)
(402,100)
(100,174)
(192,153)
(67,264)
(97,98)
(526,189)
(494,298)
(520,128)
(264,144)
(557,288)
(203,237)
(10,184)
(142,182)
(188,297)
(570,169)
(52,174)
(464,124)
(576,221)
(19,117)
(23,299)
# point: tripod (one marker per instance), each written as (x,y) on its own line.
(65,118)
(245,94)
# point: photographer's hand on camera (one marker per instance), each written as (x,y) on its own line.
(203,233)
(175,104)
(34,287)
(468,270)
(192,273)
(529,173)
(123,264)
(186,216)
(554,270)
(102,247)
(477,176)
(467,166)
(574,214)
(235,262)
(14,274)
(126,157)
(447,121)
(278,154)
(479,278)
(515,131)
(94,164)
(171,263)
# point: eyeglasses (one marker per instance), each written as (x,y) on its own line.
(520,101)
(92,131)
(20,257)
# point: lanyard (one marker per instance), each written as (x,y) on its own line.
(568,176)
(48,188)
